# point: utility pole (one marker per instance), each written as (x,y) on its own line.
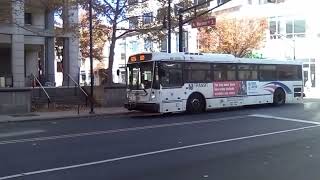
(294,48)
(91,59)
(169,26)
(180,31)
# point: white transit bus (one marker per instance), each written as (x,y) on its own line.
(162,82)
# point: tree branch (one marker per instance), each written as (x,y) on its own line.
(136,30)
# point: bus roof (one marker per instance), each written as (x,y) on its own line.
(211,57)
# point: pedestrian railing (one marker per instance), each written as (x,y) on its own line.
(35,79)
(77,85)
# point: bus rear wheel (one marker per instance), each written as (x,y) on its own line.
(279,97)
(195,104)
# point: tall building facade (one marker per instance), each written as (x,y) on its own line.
(293,30)
(27,43)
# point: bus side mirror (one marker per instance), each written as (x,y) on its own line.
(118,72)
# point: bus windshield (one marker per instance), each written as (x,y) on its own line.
(140,75)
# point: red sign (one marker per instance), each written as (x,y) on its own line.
(229,88)
(201,22)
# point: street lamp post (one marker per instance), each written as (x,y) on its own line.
(91,58)
(294,49)
(169,26)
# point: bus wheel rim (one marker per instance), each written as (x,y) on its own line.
(196,104)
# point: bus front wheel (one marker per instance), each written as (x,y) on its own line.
(195,104)
(279,97)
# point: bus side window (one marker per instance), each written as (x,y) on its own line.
(267,73)
(247,72)
(197,73)
(224,72)
(170,74)
(289,72)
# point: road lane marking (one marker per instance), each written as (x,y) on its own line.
(151,153)
(119,130)
(284,118)
(20,133)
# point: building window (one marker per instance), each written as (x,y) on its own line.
(148,44)
(274,27)
(295,28)
(28,18)
(219,2)
(133,22)
(148,18)
(206,5)
(131,2)
(123,56)
(184,41)
(271,1)
(163,44)
(134,46)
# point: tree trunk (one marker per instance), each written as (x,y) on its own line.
(111,55)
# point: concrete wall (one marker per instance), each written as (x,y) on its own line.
(113,96)
(14,101)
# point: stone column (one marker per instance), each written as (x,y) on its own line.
(74,64)
(18,66)
(71,59)
(50,49)
(66,61)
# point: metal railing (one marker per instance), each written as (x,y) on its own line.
(77,85)
(42,88)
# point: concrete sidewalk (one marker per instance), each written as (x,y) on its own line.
(51,115)
(312,93)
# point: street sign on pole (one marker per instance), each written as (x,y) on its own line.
(201,22)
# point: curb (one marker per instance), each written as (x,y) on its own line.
(44,119)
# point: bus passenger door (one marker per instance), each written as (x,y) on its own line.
(171,81)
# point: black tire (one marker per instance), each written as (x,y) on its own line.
(196,104)
(279,97)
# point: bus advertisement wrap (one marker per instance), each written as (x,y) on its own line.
(229,88)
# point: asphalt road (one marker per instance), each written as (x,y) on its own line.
(257,142)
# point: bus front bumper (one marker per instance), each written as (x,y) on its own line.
(147,107)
